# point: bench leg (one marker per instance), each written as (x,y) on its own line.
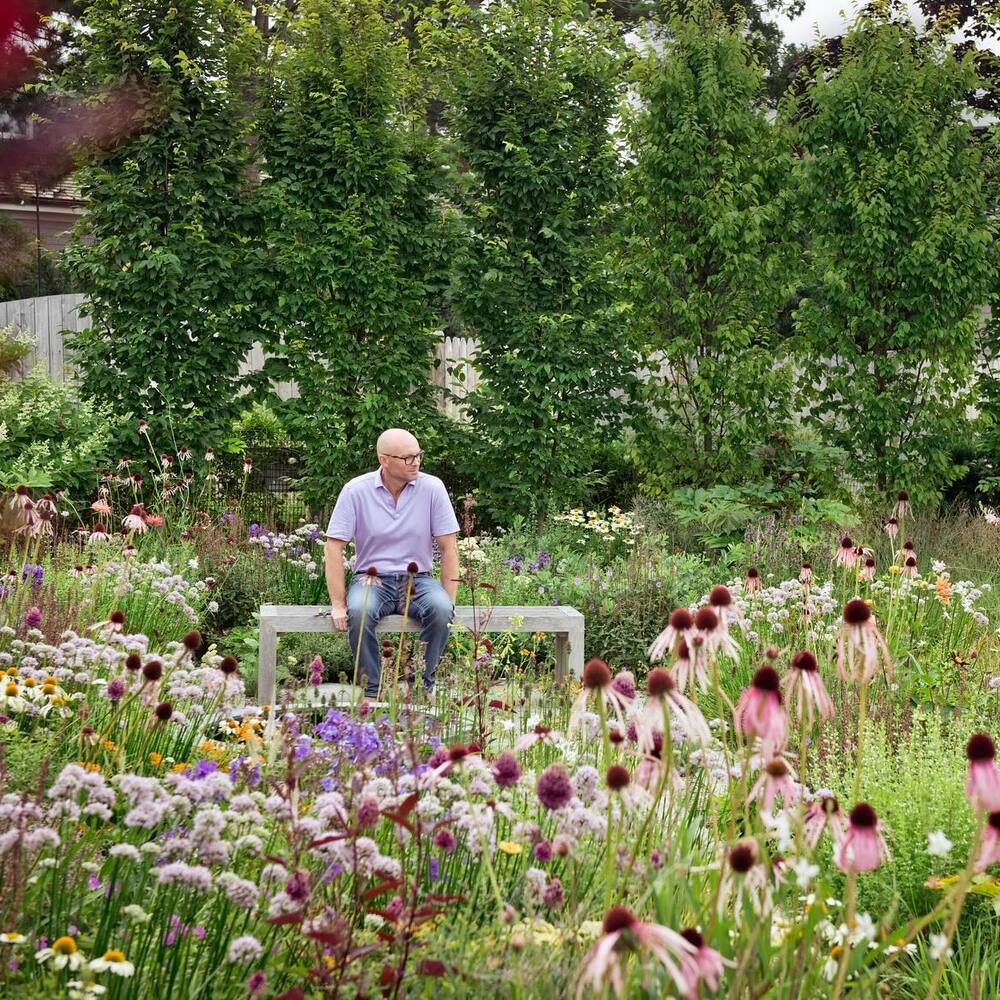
(267,655)
(562,656)
(576,651)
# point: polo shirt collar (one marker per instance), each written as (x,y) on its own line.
(377,481)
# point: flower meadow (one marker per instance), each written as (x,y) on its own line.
(794,792)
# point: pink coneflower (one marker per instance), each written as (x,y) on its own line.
(989,851)
(776,778)
(759,713)
(183,453)
(684,669)
(805,687)
(752,583)
(153,520)
(906,552)
(867,571)
(20,499)
(143,427)
(624,685)
(625,933)
(902,507)
(101,506)
(679,627)
(247,466)
(663,691)
(209,454)
(982,786)
(554,788)
(720,600)
(597,678)
(909,567)
(862,848)
(45,504)
(743,872)
(540,734)
(806,573)
(823,813)
(713,628)
(135,520)
(166,461)
(860,646)
(129,550)
(846,556)
(891,527)
(707,964)
(370,578)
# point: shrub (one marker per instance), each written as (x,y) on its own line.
(49,437)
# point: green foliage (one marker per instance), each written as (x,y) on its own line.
(707,256)
(49,437)
(895,204)
(15,346)
(534,94)
(162,249)
(357,238)
(260,427)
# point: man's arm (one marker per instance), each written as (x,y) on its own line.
(448,544)
(334,566)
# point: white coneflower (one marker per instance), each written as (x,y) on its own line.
(21,498)
(867,571)
(806,573)
(99,535)
(209,454)
(891,527)
(166,461)
(135,520)
(909,567)
(902,506)
(846,556)
(753,582)
(183,453)
(860,646)
(680,626)
(247,466)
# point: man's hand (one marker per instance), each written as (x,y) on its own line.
(338,615)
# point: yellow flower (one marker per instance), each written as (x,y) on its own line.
(509,847)
(177,768)
(11,671)
(109,745)
(894,569)
(49,689)
(10,690)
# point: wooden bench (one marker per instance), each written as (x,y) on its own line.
(565,623)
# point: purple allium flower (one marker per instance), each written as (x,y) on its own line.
(554,787)
(543,852)
(445,839)
(245,949)
(93,882)
(552,894)
(297,886)
(432,869)
(368,812)
(33,617)
(256,984)
(506,771)
(115,689)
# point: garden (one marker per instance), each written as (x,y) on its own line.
(736,404)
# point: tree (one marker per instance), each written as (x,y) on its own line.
(358,238)
(534,97)
(708,257)
(892,191)
(162,249)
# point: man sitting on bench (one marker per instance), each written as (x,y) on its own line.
(392,515)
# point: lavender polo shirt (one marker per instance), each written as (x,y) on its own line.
(390,536)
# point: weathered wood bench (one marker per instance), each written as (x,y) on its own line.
(565,623)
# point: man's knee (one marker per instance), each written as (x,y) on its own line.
(438,610)
(360,608)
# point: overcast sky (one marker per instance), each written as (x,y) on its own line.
(829,16)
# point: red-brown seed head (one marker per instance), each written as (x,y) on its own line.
(804,660)
(133,661)
(980,748)
(863,816)
(681,620)
(847,543)
(719,597)
(117,617)
(706,620)
(618,918)
(856,612)
(743,856)
(767,679)
(192,640)
(596,674)
(659,683)
(229,665)
(617,777)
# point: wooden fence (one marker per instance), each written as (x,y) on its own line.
(45,319)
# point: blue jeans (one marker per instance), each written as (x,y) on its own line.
(367,605)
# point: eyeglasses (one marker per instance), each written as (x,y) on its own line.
(409,459)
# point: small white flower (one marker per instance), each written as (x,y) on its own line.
(136,913)
(938,845)
(193,563)
(805,872)
(939,947)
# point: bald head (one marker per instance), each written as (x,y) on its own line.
(396,441)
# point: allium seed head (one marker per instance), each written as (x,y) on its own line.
(163,711)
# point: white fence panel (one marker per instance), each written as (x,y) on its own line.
(46,317)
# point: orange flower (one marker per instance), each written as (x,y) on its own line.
(943,587)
